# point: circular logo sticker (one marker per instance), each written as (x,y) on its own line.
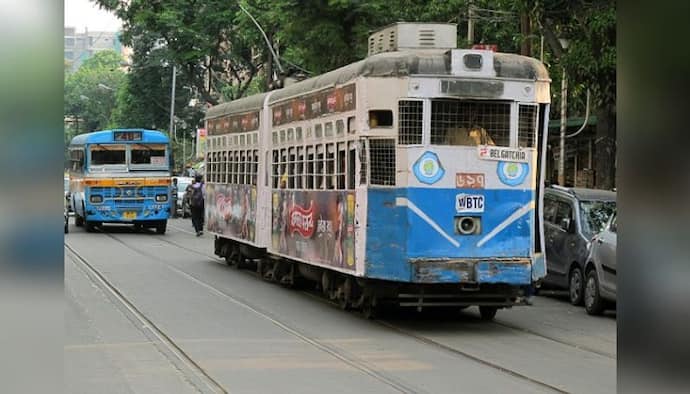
(511,173)
(428,168)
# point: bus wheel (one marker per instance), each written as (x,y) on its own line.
(487,312)
(161,227)
(90,226)
(78,220)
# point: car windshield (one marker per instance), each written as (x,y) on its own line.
(595,214)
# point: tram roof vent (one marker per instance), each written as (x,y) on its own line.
(404,36)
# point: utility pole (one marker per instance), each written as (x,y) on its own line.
(564,99)
(470,24)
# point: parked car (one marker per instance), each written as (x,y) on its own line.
(183,207)
(572,216)
(600,270)
(67,194)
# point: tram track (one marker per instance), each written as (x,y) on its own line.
(338,354)
(425,340)
(163,339)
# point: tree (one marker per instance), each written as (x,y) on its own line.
(90,91)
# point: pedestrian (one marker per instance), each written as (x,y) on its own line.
(173,196)
(197,205)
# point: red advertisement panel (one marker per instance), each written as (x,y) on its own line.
(231,210)
(315,226)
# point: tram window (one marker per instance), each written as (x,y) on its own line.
(318,168)
(243,168)
(363,162)
(527,125)
(275,138)
(410,125)
(308,133)
(298,134)
(283,168)
(328,129)
(351,167)
(351,126)
(276,173)
(255,139)
(255,167)
(290,134)
(224,168)
(291,168)
(310,167)
(339,127)
(330,166)
(340,171)
(380,118)
(231,162)
(382,156)
(243,140)
(318,133)
(299,168)
(282,135)
(236,168)
(470,123)
(107,154)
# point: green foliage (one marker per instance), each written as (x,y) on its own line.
(90,91)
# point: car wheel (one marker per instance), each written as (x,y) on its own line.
(575,286)
(594,304)
(488,312)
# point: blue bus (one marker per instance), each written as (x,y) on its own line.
(121,176)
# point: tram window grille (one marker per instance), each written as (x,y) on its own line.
(242,171)
(275,173)
(291,169)
(382,156)
(231,162)
(236,168)
(410,121)
(318,171)
(330,166)
(299,168)
(351,162)
(527,126)
(310,168)
(470,123)
(248,167)
(255,168)
(363,162)
(283,168)
(340,173)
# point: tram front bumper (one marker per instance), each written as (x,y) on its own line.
(493,271)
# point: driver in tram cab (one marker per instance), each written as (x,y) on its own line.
(473,136)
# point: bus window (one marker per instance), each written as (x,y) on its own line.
(107,154)
(470,123)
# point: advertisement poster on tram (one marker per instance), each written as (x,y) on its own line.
(200,143)
(231,210)
(315,226)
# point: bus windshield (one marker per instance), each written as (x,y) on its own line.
(108,155)
(148,155)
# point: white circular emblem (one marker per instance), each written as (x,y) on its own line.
(429,167)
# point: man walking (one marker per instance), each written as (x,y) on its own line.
(197,205)
(173,197)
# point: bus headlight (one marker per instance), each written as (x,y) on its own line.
(161,197)
(96,198)
(468,225)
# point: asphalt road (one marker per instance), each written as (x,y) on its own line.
(160,314)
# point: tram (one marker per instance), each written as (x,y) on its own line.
(412,177)
(121,176)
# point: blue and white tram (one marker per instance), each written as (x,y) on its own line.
(412,177)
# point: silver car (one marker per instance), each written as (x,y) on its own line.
(600,271)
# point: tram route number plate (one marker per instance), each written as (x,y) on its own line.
(469,180)
(129,215)
(469,203)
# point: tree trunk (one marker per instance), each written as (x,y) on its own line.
(605,149)
(526,32)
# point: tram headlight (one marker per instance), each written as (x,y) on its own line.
(468,225)
(161,197)
(96,198)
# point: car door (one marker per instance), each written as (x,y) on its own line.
(607,241)
(550,209)
(564,239)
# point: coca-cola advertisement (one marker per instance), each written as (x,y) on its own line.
(315,226)
(231,210)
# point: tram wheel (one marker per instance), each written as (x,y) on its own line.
(369,308)
(488,312)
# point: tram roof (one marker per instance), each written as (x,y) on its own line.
(106,136)
(388,64)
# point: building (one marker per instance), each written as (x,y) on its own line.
(81,46)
